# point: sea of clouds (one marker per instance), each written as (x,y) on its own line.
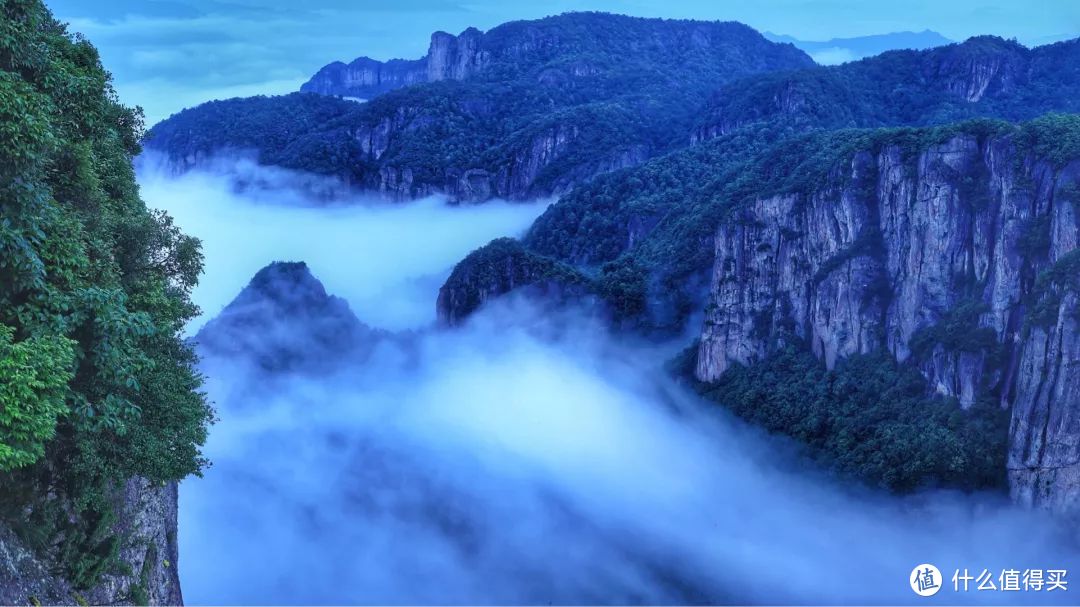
(528,457)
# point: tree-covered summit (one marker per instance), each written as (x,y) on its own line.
(527,109)
(985,76)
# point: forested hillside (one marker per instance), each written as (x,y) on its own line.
(527,109)
(943,250)
(985,76)
(98,395)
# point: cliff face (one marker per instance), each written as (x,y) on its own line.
(147,522)
(1044,458)
(365,78)
(935,259)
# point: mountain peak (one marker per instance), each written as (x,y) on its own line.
(285,319)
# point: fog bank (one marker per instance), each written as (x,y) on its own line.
(526,458)
(386,259)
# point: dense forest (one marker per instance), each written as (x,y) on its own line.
(555,101)
(96,385)
(985,76)
(869,420)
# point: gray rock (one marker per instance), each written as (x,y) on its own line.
(147,520)
(883,253)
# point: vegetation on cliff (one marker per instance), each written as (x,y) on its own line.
(590,89)
(96,385)
(985,76)
(661,217)
(869,418)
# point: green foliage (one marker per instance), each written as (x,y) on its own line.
(34,375)
(957,331)
(1050,288)
(869,418)
(97,385)
(594,89)
(907,87)
(500,267)
(1054,137)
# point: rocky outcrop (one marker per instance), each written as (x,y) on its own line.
(147,527)
(1044,458)
(284,320)
(364,78)
(934,258)
(449,57)
(455,57)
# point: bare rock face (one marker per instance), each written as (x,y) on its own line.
(453,57)
(1044,457)
(147,524)
(365,78)
(934,258)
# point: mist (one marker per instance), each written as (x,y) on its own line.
(528,457)
(386,259)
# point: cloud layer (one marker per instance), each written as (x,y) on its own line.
(526,458)
(387,260)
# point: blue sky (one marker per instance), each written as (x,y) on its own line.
(169,54)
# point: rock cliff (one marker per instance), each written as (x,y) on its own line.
(147,526)
(364,78)
(939,258)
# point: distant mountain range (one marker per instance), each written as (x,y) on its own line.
(840,50)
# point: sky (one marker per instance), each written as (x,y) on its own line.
(166,55)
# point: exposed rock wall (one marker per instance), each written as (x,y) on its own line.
(933,258)
(365,78)
(147,520)
(1044,458)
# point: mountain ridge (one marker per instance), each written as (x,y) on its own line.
(820,240)
(525,110)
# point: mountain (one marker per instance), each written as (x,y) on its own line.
(364,78)
(841,50)
(982,77)
(284,320)
(525,110)
(101,412)
(947,250)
